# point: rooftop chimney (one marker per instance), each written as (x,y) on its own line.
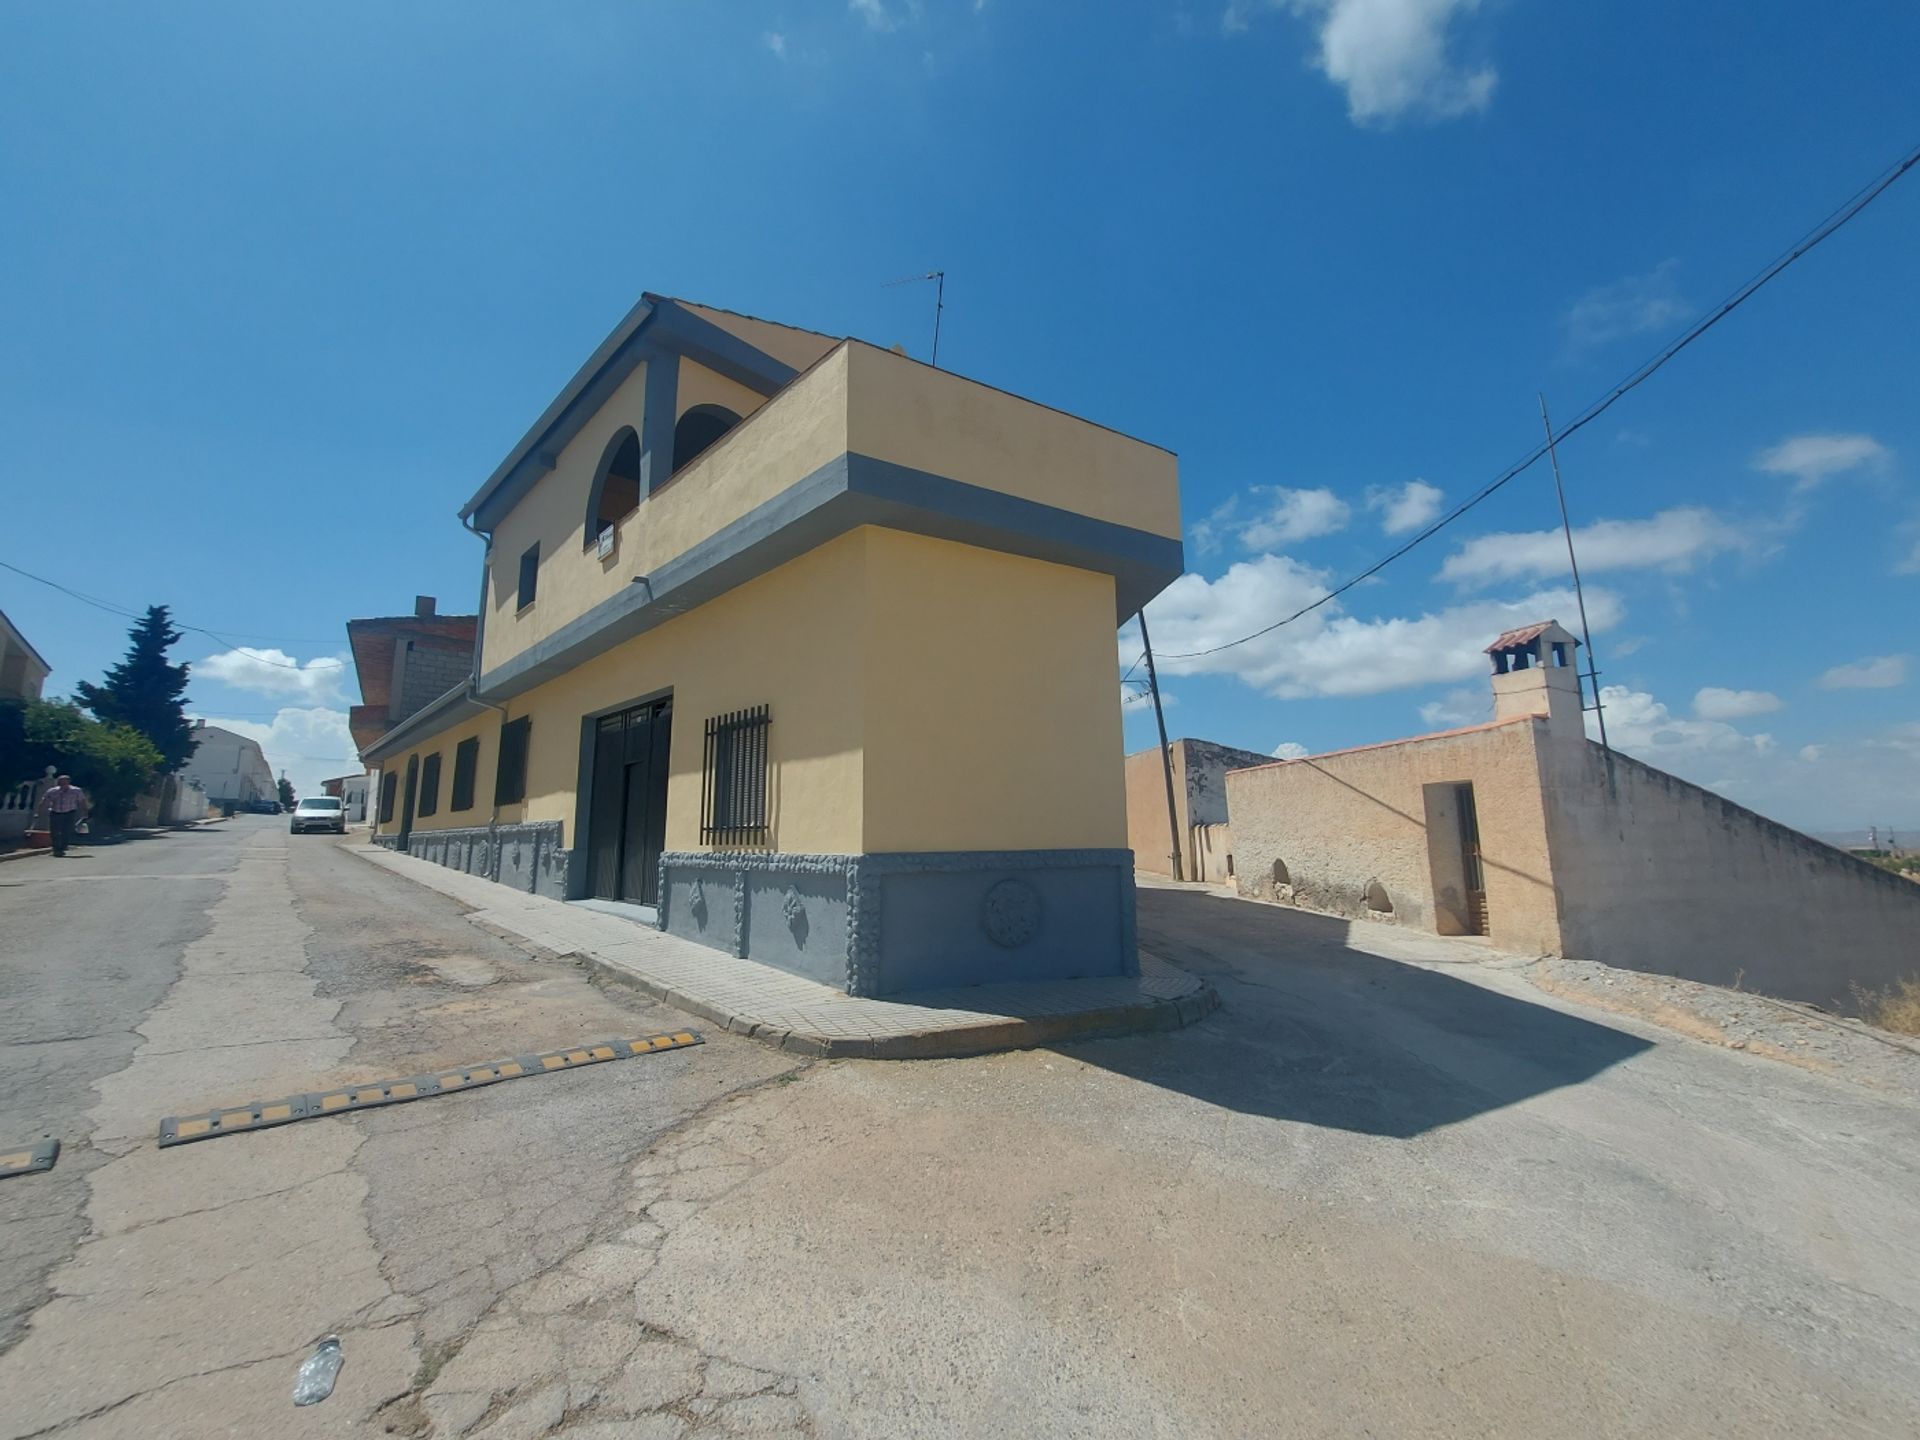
(423,606)
(1534,674)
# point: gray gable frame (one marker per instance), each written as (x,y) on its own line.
(656,328)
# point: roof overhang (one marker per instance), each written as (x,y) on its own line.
(452,708)
(25,644)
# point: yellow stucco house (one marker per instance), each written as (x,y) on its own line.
(808,648)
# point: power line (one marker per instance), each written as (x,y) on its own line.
(1861,199)
(126,614)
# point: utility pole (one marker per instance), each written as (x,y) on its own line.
(1166,751)
(1579,594)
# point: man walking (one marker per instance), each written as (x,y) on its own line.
(65,805)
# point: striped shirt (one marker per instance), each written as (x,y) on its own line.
(61,801)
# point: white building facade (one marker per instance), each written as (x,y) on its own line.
(229,767)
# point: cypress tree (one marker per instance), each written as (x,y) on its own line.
(147,693)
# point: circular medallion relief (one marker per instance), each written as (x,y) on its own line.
(1010,913)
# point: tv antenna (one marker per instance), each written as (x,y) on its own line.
(939,278)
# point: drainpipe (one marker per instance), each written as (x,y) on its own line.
(485,537)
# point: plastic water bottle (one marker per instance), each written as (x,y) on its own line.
(318,1372)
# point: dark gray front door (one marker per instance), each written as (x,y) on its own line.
(627,818)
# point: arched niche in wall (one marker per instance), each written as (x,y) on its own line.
(616,484)
(697,431)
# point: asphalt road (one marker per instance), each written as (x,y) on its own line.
(1388,1189)
(173,1292)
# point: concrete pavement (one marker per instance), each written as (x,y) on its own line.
(1388,1188)
(804,1016)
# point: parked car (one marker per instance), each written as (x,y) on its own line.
(322,812)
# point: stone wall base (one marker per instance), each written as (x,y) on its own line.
(883,924)
(528,857)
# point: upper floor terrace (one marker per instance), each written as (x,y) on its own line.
(695,451)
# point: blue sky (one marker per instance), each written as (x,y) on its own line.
(282,285)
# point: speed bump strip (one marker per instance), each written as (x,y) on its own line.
(28,1159)
(264,1114)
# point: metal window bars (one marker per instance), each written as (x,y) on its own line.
(733,778)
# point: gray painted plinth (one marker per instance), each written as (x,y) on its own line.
(528,856)
(885,924)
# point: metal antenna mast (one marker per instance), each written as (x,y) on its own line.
(1580,595)
(939,278)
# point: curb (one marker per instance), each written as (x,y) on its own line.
(992,1035)
(1147,1018)
(23,853)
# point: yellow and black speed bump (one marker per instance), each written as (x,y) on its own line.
(264,1114)
(28,1159)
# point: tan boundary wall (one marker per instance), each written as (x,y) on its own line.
(1341,824)
(1676,880)
(1200,770)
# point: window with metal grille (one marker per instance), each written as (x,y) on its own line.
(733,780)
(389,787)
(466,761)
(429,784)
(510,779)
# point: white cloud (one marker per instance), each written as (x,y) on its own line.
(1909,564)
(1876,672)
(1635,305)
(275,673)
(1644,728)
(776,42)
(310,744)
(1390,56)
(1459,707)
(1283,517)
(1330,652)
(1827,785)
(1405,507)
(1292,515)
(1714,703)
(1672,540)
(1809,459)
(1290,750)
(880,16)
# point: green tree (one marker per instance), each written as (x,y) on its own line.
(145,692)
(286,792)
(112,763)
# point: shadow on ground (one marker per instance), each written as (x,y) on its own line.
(1313,1030)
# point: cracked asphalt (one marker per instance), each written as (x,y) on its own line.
(1390,1188)
(173,1293)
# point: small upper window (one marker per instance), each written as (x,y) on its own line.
(529,575)
(616,485)
(698,429)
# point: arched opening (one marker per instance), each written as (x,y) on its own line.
(697,431)
(1280,875)
(1377,900)
(616,485)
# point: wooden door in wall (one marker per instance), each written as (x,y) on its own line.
(1476,871)
(627,818)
